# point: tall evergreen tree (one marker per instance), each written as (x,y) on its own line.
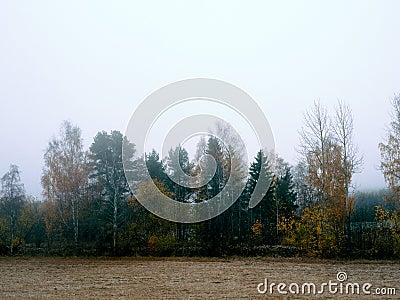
(213,232)
(155,167)
(178,167)
(262,213)
(108,175)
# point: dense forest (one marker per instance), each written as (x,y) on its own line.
(312,209)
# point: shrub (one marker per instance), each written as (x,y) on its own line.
(162,246)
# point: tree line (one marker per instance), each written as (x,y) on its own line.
(310,209)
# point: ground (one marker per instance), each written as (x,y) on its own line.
(184,278)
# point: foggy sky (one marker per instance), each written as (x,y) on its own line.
(92,63)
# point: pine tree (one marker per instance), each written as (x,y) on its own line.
(108,174)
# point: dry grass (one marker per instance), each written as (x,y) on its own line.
(178,278)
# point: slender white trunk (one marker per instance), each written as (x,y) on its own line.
(12,235)
(75,225)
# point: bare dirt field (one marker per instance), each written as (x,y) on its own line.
(186,278)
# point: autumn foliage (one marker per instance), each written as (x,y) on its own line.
(88,207)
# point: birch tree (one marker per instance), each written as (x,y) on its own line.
(331,159)
(315,138)
(343,129)
(390,155)
(12,197)
(65,177)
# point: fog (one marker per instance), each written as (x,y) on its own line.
(92,63)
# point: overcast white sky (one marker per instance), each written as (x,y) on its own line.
(93,62)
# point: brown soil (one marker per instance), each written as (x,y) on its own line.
(182,278)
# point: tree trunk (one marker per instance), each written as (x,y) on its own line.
(115,224)
(75,225)
(277,220)
(12,235)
